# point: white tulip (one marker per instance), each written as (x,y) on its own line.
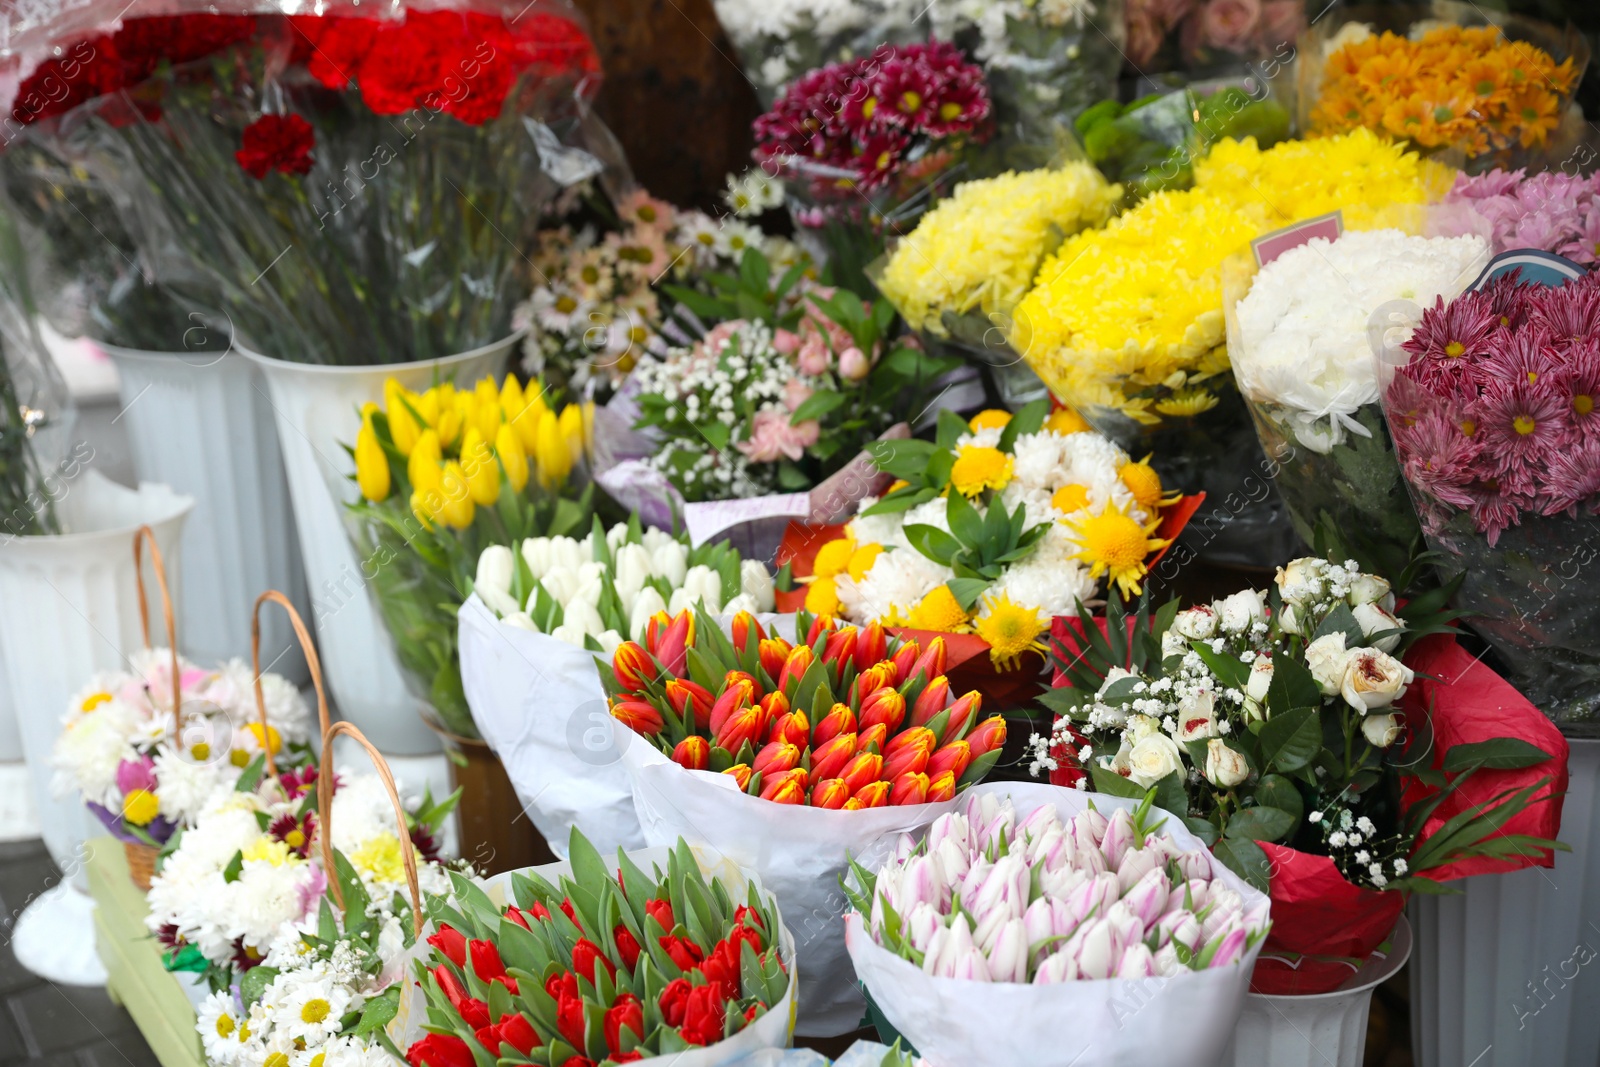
(582,614)
(572,635)
(670,561)
(646,604)
(757,584)
(742,602)
(493,580)
(539,556)
(654,538)
(630,570)
(705,585)
(519,620)
(561,583)
(617,535)
(609,640)
(569,553)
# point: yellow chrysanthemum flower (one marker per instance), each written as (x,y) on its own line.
(1145,485)
(938,610)
(267,737)
(989,419)
(1113,544)
(140,807)
(1069,498)
(1011,630)
(268,850)
(380,859)
(1065,421)
(978,468)
(1187,403)
(822,597)
(862,559)
(833,558)
(94,700)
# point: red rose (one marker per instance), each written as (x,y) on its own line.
(627,947)
(626,1012)
(569,1020)
(661,912)
(452,943)
(585,955)
(673,1000)
(518,1032)
(685,953)
(440,1050)
(276,142)
(703,1016)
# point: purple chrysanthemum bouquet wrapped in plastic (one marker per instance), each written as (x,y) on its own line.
(1492,406)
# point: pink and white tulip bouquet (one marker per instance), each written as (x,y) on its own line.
(1030,902)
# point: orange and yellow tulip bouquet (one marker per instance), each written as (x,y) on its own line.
(443,474)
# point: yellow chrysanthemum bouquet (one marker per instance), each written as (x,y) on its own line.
(444,473)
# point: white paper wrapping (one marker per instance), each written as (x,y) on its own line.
(798,852)
(1182,1021)
(770,1031)
(538,703)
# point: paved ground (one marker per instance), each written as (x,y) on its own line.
(45,1025)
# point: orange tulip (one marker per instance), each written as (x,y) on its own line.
(776,757)
(873,737)
(941,787)
(741,773)
(792,728)
(789,787)
(963,713)
(693,752)
(839,720)
(852,805)
(931,701)
(885,706)
(744,725)
(863,767)
(829,759)
(872,795)
(820,625)
(931,663)
(632,667)
(638,716)
(989,735)
(909,788)
(746,626)
(953,758)
(795,665)
(840,647)
(740,676)
(829,793)
(870,646)
(733,698)
(876,677)
(903,658)
(673,641)
(908,752)
(773,652)
(683,694)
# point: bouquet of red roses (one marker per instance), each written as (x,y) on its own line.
(587,967)
(882,727)
(346,187)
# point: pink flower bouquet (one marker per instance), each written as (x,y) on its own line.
(1550,211)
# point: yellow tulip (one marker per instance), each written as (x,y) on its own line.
(457,508)
(527,420)
(482,472)
(419,507)
(427,406)
(450,423)
(487,398)
(425,459)
(555,460)
(372,466)
(511,400)
(403,428)
(509,448)
(572,428)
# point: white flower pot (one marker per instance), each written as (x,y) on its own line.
(1322,1030)
(317,413)
(201,422)
(1508,971)
(10,737)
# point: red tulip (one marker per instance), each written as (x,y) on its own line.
(794,666)
(671,643)
(931,663)
(872,679)
(738,695)
(911,788)
(473,1012)
(963,713)
(931,701)
(954,757)
(870,646)
(569,911)
(741,773)
(489,1038)
(452,943)
(683,952)
(673,1000)
(440,1050)
(638,716)
(627,946)
(682,694)
(721,968)
(570,1018)
(516,916)
(786,787)
(872,738)
(703,1016)
(863,767)
(746,724)
(791,727)
(518,1032)
(776,757)
(564,984)
(626,1013)
(749,919)
(829,793)
(586,954)
(873,795)
(828,760)
(884,706)
(632,667)
(840,646)
(487,966)
(693,752)
(745,627)
(839,720)
(989,735)
(820,625)
(908,752)
(773,652)
(903,658)
(661,912)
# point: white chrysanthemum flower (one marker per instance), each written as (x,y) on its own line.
(896,581)
(312,1008)
(218,1021)
(98,733)
(988,437)
(1038,463)
(186,786)
(1051,586)
(234,691)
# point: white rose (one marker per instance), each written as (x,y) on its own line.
(1373,679)
(520,620)
(1173,644)
(1381,731)
(1119,762)
(757,583)
(630,570)
(1370,589)
(1325,657)
(646,604)
(1225,767)
(1302,579)
(493,579)
(1289,618)
(1196,624)
(1241,611)
(1152,759)
(670,561)
(1373,619)
(1256,687)
(1140,727)
(1196,717)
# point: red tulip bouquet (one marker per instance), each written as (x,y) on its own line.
(583,965)
(789,757)
(348,187)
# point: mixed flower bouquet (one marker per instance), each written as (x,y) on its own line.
(1033,910)
(779,42)
(1290,732)
(1300,351)
(581,965)
(596,307)
(1492,417)
(1494,90)
(1202,35)
(994,528)
(442,474)
(603,590)
(346,188)
(1550,211)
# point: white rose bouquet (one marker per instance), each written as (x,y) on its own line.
(1298,339)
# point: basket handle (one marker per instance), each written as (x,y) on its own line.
(141,535)
(312,662)
(408,854)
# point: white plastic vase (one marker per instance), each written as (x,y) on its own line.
(1508,971)
(1319,1030)
(317,411)
(201,422)
(69,606)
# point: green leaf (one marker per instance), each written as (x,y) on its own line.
(1292,685)
(250,777)
(1201,828)
(1171,795)
(965,522)
(1341,620)
(1276,791)
(1260,824)
(1228,668)
(932,542)
(951,427)
(230,873)
(379,1011)
(820,403)
(1290,739)
(253,983)
(1113,784)
(1028,420)
(1500,754)
(967,590)
(1244,858)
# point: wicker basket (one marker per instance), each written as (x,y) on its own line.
(141,863)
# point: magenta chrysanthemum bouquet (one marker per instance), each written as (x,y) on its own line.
(1551,211)
(1494,420)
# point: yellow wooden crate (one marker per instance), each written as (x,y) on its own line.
(137,980)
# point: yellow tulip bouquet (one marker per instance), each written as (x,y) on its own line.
(443,474)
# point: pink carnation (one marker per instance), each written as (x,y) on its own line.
(772,438)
